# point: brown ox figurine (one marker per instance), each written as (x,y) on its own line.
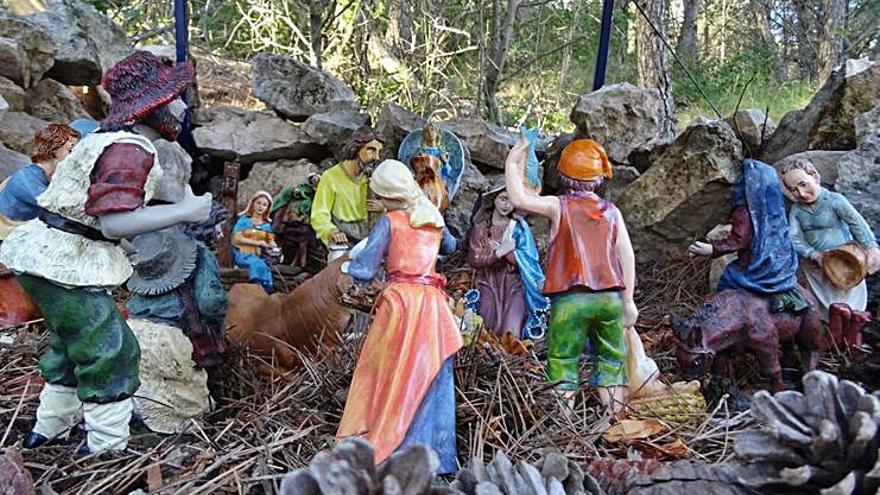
(280,326)
(735,321)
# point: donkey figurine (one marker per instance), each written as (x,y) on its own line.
(733,321)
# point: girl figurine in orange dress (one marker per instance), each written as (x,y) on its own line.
(402,391)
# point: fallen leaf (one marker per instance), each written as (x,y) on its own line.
(154,478)
(671,451)
(628,430)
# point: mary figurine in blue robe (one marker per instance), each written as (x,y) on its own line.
(251,236)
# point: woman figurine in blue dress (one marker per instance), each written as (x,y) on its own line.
(252,234)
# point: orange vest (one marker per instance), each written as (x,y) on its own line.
(584,253)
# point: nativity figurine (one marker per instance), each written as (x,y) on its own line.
(290,220)
(509,277)
(402,391)
(253,242)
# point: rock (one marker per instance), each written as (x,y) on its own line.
(273,177)
(487,143)
(859,170)
(26,52)
(173,390)
(176,171)
(685,192)
(458,216)
(15,479)
(828,121)
(752,127)
(3,105)
(826,163)
(229,133)
(296,90)
(50,100)
(86,42)
(13,94)
(620,117)
(622,177)
(166,53)
(10,161)
(333,129)
(394,124)
(17,131)
(554,151)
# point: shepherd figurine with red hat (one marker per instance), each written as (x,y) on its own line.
(69,258)
(590,270)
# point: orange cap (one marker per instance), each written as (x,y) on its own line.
(584,159)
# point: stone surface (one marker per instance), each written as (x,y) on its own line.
(50,100)
(333,129)
(10,161)
(394,123)
(13,94)
(826,163)
(231,133)
(176,171)
(685,193)
(859,170)
(172,389)
(26,52)
(273,177)
(752,127)
(487,143)
(87,43)
(828,121)
(620,117)
(3,105)
(458,216)
(17,131)
(296,90)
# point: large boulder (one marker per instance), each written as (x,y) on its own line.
(13,94)
(685,193)
(50,100)
(296,90)
(828,122)
(87,43)
(620,117)
(826,163)
(273,177)
(394,124)
(333,129)
(858,175)
(17,131)
(11,161)
(458,216)
(26,52)
(230,133)
(487,143)
(753,127)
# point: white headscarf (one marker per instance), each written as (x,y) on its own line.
(394,180)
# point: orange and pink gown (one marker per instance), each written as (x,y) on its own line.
(402,391)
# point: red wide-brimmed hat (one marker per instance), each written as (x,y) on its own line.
(141,83)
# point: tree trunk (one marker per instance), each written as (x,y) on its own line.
(316,31)
(400,24)
(653,63)
(761,12)
(499,43)
(806,32)
(830,38)
(687,40)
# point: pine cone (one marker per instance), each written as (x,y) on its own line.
(618,476)
(823,440)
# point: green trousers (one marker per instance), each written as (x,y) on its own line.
(576,317)
(90,345)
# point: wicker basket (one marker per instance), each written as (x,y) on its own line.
(845,266)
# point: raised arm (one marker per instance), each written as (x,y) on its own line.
(546,206)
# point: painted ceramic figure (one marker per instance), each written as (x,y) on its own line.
(252,236)
(758,303)
(402,391)
(820,221)
(509,275)
(97,196)
(590,270)
(339,210)
(177,293)
(435,153)
(290,220)
(18,204)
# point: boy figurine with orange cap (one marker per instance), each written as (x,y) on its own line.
(590,271)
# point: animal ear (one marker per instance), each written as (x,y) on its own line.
(680,327)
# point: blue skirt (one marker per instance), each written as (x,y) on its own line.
(434,423)
(258,270)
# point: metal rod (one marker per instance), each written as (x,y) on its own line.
(604,44)
(181,38)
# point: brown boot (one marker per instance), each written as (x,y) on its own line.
(838,320)
(857,320)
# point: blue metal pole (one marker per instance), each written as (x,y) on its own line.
(604,44)
(181,38)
